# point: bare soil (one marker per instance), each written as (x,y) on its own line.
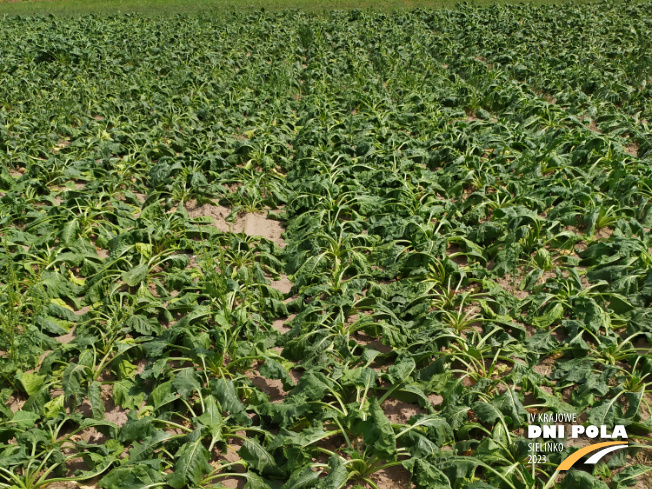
(400,412)
(632,149)
(281,324)
(392,478)
(252,224)
(283,284)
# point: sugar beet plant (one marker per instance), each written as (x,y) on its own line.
(466,203)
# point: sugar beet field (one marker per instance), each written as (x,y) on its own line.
(351,250)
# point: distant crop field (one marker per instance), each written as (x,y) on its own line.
(361,249)
(220,7)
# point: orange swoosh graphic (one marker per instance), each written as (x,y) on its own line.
(571,459)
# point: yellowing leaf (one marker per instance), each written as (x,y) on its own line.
(54,407)
(61,302)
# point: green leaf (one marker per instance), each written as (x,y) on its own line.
(162,395)
(456,415)
(192,464)
(135,275)
(143,450)
(225,393)
(312,385)
(185,382)
(24,419)
(634,400)
(553,402)
(630,475)
(425,475)
(480,485)
(418,444)
(337,475)
(73,376)
(52,408)
(69,232)
(95,400)
(256,456)
(133,476)
(377,431)
(303,478)
(553,314)
(487,413)
(212,418)
(271,369)
(510,405)
(126,369)
(438,429)
(254,481)
(604,413)
(36,402)
(136,429)
(576,479)
(123,396)
(286,413)
(31,382)
(400,371)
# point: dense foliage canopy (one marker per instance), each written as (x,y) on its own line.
(466,203)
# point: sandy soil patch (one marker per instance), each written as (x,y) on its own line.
(281,325)
(400,412)
(282,285)
(392,478)
(632,149)
(252,224)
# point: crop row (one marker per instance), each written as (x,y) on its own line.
(464,202)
